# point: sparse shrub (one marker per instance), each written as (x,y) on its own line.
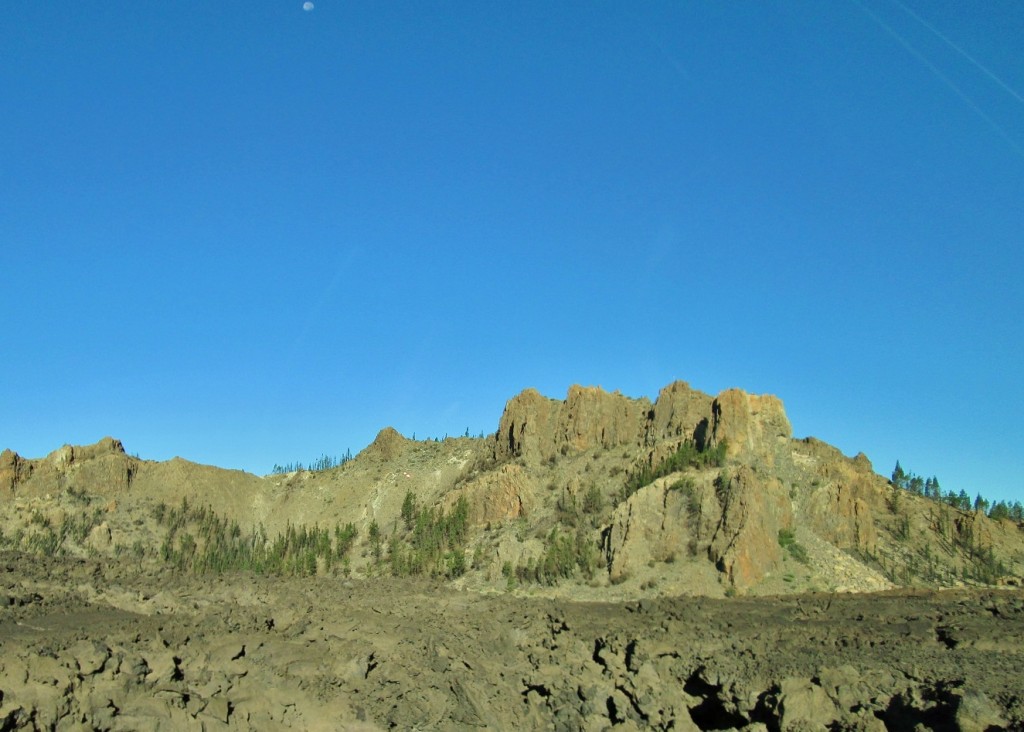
(375,540)
(455,564)
(564,556)
(686,456)
(593,501)
(903,528)
(787,540)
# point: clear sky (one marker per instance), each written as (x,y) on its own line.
(247,233)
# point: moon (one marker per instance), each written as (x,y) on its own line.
(307,6)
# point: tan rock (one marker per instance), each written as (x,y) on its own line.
(99,537)
(10,470)
(804,706)
(679,412)
(387,445)
(507,493)
(537,428)
(746,543)
(843,509)
(526,427)
(650,525)
(751,424)
(975,712)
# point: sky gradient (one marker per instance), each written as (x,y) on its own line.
(248,234)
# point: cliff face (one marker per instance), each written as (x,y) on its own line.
(745,545)
(101,465)
(537,428)
(733,520)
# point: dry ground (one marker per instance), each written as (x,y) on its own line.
(88,644)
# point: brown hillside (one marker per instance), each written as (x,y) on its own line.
(576,496)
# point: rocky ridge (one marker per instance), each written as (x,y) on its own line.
(775,514)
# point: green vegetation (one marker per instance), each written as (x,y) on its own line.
(198,540)
(686,456)
(564,555)
(903,480)
(571,511)
(432,542)
(955,533)
(324,462)
(787,540)
(43,537)
(687,486)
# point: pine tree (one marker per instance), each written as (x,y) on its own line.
(409,509)
(899,478)
(999,511)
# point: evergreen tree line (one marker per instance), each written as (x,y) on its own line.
(564,555)
(198,540)
(429,540)
(930,488)
(324,462)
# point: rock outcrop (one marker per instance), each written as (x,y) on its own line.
(651,525)
(680,413)
(387,445)
(753,426)
(537,428)
(505,494)
(746,544)
(845,498)
(102,465)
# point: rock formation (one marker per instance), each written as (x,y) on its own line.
(571,466)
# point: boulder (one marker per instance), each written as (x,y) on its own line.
(804,705)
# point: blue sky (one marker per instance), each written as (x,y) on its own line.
(247,234)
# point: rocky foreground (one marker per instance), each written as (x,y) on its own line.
(87,644)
